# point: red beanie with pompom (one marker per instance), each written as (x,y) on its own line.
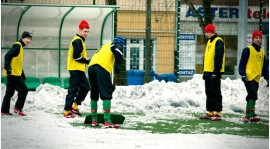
(84,24)
(210,28)
(256,33)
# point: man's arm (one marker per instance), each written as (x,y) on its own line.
(243,61)
(78,48)
(219,52)
(117,50)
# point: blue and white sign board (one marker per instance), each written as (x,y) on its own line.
(187,54)
(186,72)
(228,14)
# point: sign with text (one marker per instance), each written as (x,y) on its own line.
(187,54)
(226,13)
(186,72)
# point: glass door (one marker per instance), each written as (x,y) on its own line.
(135,54)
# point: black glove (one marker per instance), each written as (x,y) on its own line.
(206,76)
(203,77)
(267,83)
(87,61)
(113,88)
(213,76)
(23,76)
(117,69)
(244,78)
(8,72)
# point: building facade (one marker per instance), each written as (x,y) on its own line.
(131,23)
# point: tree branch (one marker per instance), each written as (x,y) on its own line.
(199,17)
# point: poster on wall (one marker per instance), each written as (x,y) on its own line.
(187,54)
(249,39)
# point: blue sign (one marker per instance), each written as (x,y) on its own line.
(187,36)
(186,72)
(265,27)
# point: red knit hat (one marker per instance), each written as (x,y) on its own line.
(84,24)
(210,28)
(256,33)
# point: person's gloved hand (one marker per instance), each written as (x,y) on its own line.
(23,76)
(203,77)
(244,78)
(267,83)
(117,69)
(213,76)
(8,72)
(113,88)
(206,76)
(87,61)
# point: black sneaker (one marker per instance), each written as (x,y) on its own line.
(69,115)
(3,113)
(110,125)
(254,118)
(76,111)
(246,119)
(215,118)
(206,116)
(94,123)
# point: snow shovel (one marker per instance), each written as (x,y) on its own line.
(115,118)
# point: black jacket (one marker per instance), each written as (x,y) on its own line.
(117,50)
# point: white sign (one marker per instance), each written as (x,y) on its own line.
(187,55)
(223,13)
(249,39)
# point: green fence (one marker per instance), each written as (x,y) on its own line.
(177,42)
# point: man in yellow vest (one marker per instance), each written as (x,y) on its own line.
(107,57)
(15,76)
(214,63)
(76,65)
(252,66)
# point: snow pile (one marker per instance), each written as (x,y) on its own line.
(44,126)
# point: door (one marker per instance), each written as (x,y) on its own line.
(135,54)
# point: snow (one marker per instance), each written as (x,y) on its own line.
(45,128)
